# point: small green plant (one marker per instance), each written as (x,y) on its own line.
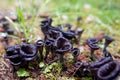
(29,78)
(22,73)
(21,19)
(53,65)
(41,64)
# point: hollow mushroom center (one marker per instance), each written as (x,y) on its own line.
(61,43)
(10,53)
(16,60)
(107,70)
(27,49)
(75,52)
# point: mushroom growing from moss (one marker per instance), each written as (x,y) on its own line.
(62,46)
(13,55)
(54,34)
(75,53)
(92,43)
(40,45)
(108,40)
(101,62)
(28,51)
(20,54)
(78,35)
(109,71)
(45,26)
(49,46)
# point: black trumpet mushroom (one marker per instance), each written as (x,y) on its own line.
(75,53)
(13,55)
(109,71)
(28,51)
(20,54)
(79,19)
(15,60)
(62,46)
(101,62)
(92,43)
(54,34)
(108,40)
(104,69)
(82,70)
(40,45)
(59,27)
(78,35)
(69,26)
(78,64)
(47,22)
(92,40)
(5,25)
(49,46)
(10,31)
(68,34)
(46,25)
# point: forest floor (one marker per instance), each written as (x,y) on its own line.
(98,17)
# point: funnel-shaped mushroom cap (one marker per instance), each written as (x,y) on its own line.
(101,62)
(62,45)
(11,52)
(109,71)
(92,43)
(49,42)
(108,40)
(93,46)
(79,32)
(68,34)
(75,51)
(28,51)
(78,64)
(47,22)
(39,43)
(92,40)
(16,60)
(45,25)
(69,26)
(55,34)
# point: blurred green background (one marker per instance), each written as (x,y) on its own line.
(97,15)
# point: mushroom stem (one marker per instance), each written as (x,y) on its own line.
(105,46)
(105,52)
(94,78)
(13,69)
(53,53)
(61,58)
(40,52)
(92,55)
(47,52)
(75,53)
(75,58)
(62,61)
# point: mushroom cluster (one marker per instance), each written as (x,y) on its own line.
(103,69)
(108,40)
(58,42)
(18,54)
(92,43)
